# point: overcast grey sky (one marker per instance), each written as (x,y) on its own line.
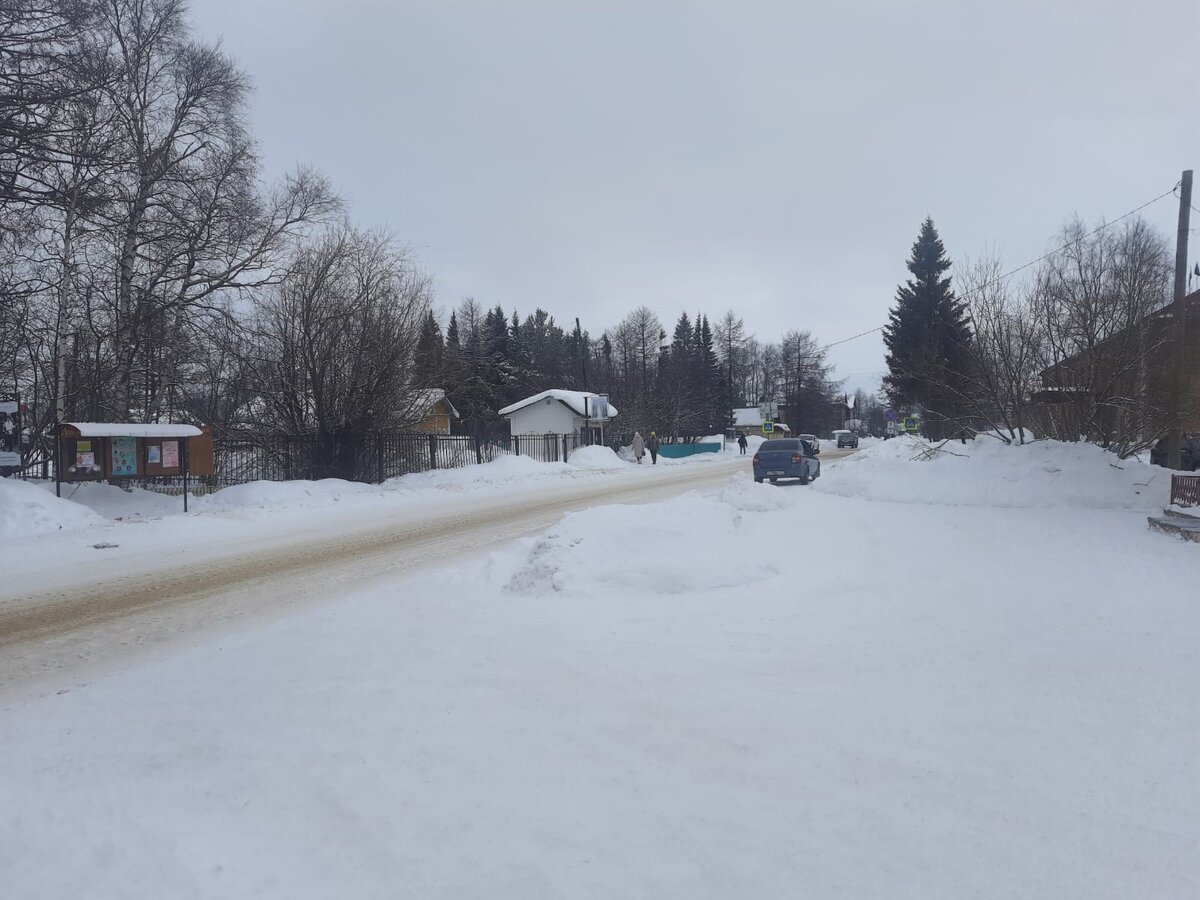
(772,158)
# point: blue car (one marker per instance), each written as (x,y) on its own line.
(788,458)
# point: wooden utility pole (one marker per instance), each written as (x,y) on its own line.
(582,353)
(1178,343)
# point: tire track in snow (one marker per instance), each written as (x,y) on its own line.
(61,630)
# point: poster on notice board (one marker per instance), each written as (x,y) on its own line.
(124,457)
(10,434)
(170,454)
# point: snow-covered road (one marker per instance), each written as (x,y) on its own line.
(61,612)
(979,686)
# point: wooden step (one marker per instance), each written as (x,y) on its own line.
(1179,525)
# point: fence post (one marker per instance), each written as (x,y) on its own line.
(564,437)
(433,451)
(379,477)
(478,450)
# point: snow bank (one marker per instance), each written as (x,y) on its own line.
(596,458)
(26,509)
(281,495)
(500,471)
(988,472)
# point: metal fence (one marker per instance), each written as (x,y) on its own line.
(369,457)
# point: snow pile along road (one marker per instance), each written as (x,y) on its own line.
(988,472)
(27,510)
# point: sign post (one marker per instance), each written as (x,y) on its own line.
(10,435)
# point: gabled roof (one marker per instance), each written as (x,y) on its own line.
(428,399)
(573,400)
(747,417)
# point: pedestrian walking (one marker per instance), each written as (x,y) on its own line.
(742,443)
(639,447)
(652,446)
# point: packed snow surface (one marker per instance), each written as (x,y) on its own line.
(756,692)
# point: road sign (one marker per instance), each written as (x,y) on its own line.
(890,415)
(768,427)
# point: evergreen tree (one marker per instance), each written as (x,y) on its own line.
(709,386)
(927,338)
(521,368)
(428,361)
(544,346)
(576,349)
(452,332)
(676,400)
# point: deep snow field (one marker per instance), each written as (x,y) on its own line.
(966,677)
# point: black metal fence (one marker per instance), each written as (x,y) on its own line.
(370,457)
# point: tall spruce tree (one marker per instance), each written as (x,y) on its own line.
(927,339)
(428,361)
(709,380)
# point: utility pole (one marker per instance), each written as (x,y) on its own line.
(582,353)
(1178,344)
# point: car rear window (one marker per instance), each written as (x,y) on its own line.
(780,445)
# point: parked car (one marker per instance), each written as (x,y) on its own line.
(1189,453)
(846,439)
(787,458)
(812,439)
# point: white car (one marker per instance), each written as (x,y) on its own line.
(846,439)
(812,439)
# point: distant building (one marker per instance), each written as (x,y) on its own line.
(559,412)
(437,412)
(749,420)
(1088,379)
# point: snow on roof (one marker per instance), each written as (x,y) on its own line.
(747,417)
(573,399)
(428,399)
(133,429)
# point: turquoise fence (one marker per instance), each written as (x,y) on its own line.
(678,451)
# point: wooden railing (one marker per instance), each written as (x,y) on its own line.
(1185,490)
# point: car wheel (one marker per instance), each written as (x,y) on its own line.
(774,481)
(804,478)
(758,481)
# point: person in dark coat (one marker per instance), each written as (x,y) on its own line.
(652,446)
(742,443)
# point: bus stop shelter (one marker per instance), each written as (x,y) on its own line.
(112,451)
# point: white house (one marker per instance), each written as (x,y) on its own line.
(558,412)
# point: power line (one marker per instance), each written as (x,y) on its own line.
(1044,256)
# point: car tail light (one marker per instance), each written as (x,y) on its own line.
(796,457)
(756,460)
